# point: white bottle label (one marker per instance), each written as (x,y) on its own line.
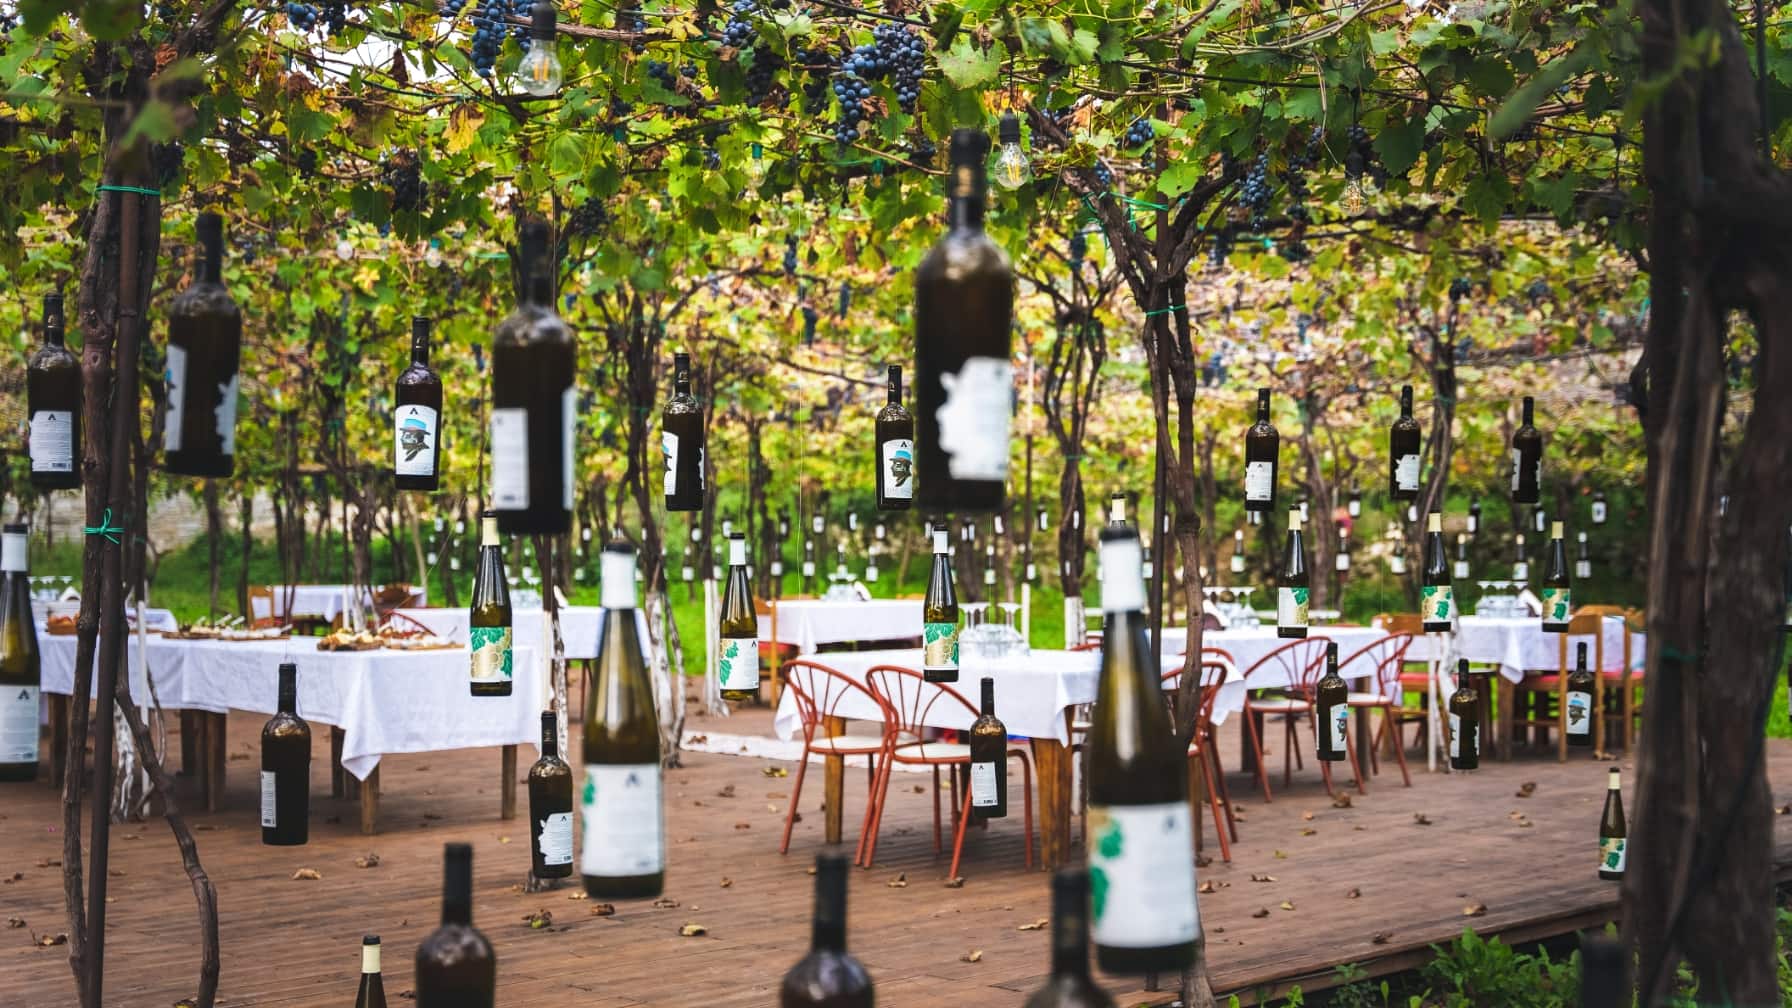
(740,663)
(556,839)
(1142,875)
(175,377)
(625,821)
(18,724)
(1583,568)
(224,417)
(669,449)
(1598,512)
(1406,472)
(1343,562)
(510,459)
(1521,571)
(569,422)
(1237,563)
(1517,468)
(899,469)
(1611,853)
(808,568)
(1580,711)
(1291,607)
(268,818)
(1455,736)
(983,785)
(1460,571)
(414,440)
(1259,481)
(975,418)
(52,441)
(1340,727)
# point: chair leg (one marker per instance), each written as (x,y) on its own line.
(1250,727)
(1219,781)
(964,819)
(796,792)
(1399,751)
(1374,744)
(936,809)
(1562,718)
(1026,778)
(883,801)
(880,788)
(1213,805)
(1290,747)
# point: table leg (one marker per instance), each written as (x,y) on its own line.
(834,783)
(370,803)
(507,791)
(214,759)
(1365,743)
(338,776)
(1505,715)
(189,742)
(1051,761)
(777,663)
(59,710)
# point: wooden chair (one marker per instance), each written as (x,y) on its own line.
(908,700)
(1538,703)
(818,692)
(1626,679)
(772,654)
(1296,661)
(1384,659)
(1201,746)
(261,612)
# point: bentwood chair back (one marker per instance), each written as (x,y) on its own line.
(1381,662)
(1283,686)
(819,693)
(1203,752)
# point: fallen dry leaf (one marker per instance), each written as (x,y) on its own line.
(50,863)
(1309,831)
(1527,789)
(1354,894)
(1421,819)
(1206,887)
(115,872)
(665,903)
(726,792)
(1382,937)
(1262,878)
(1037,925)
(49,940)
(727,883)
(539,919)
(15,922)
(372,860)
(1308,816)
(603,909)
(1287,904)
(777,794)
(1475,910)
(307,875)
(14,877)
(899,882)
(503,839)
(743,825)
(692,931)
(1260,912)
(775,771)
(578,894)
(974,955)
(1784,810)
(1341,801)
(431,815)
(1203,860)
(918,789)
(1281,855)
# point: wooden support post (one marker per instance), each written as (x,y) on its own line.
(834,783)
(215,758)
(507,787)
(59,706)
(370,803)
(1051,761)
(189,741)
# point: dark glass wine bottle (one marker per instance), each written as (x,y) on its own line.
(1261,449)
(1437,597)
(1474,516)
(829,976)
(1598,507)
(964,371)
(53,406)
(417,419)
(895,450)
(738,664)
(1331,709)
(1141,847)
(681,441)
(1557,594)
(489,623)
(624,850)
(534,406)
(1465,721)
(1612,832)
(1070,984)
(1583,557)
(1461,570)
(1527,458)
(1293,587)
(456,967)
(939,616)
(205,343)
(286,768)
(989,759)
(1403,451)
(373,990)
(1579,698)
(550,805)
(21,672)
(1521,567)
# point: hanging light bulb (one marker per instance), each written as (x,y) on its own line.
(539,71)
(756,167)
(1012,168)
(432,255)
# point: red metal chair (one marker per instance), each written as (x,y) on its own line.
(908,700)
(1384,659)
(1296,664)
(1200,746)
(818,692)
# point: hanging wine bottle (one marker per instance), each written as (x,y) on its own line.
(1331,709)
(455,966)
(1342,563)
(286,768)
(1070,985)
(1579,700)
(681,441)
(1527,458)
(1474,516)
(1598,507)
(1293,588)
(53,406)
(1236,564)
(534,409)
(964,374)
(1261,444)
(739,657)
(550,805)
(1557,600)
(989,759)
(1521,568)
(417,419)
(828,976)
(1465,721)
(204,351)
(1403,451)
(895,450)
(1613,835)
(1141,863)
(624,852)
(1460,570)
(1437,598)
(21,667)
(489,622)
(939,636)
(1583,557)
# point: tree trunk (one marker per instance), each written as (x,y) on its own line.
(214,540)
(246,512)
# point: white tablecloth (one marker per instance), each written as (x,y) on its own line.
(1250,645)
(1517,644)
(809,623)
(580,627)
(318,600)
(384,701)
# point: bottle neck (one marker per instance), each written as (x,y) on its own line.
(1406,404)
(457,892)
(1070,940)
(989,698)
(1529,410)
(550,736)
(53,335)
(488,532)
(370,958)
(289,691)
(541,287)
(895,386)
(420,348)
(964,209)
(1263,407)
(211,264)
(829,929)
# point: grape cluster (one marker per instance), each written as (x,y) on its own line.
(588,218)
(1104,176)
(1222,247)
(815,89)
(790,257)
(306,162)
(633,20)
(762,76)
(1296,179)
(922,151)
(1079,249)
(404,182)
(852,93)
(1459,288)
(739,32)
(1140,133)
(332,14)
(810,318)
(661,71)
(490,27)
(1255,192)
(895,52)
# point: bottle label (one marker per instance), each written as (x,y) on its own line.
(939,646)
(1237,564)
(1142,875)
(1460,571)
(1517,468)
(1583,569)
(740,663)
(1259,482)
(899,469)
(414,447)
(491,654)
(669,448)
(808,568)
(268,818)
(174,376)
(1291,607)
(556,839)
(983,785)
(1598,512)
(510,459)
(1611,853)
(1455,735)
(18,724)
(1339,728)
(624,820)
(1406,473)
(224,417)
(568,422)
(1437,603)
(1521,571)
(975,418)
(1555,605)
(1343,562)
(1580,713)
(52,441)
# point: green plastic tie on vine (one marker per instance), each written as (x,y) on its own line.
(1165,310)
(139,190)
(105,528)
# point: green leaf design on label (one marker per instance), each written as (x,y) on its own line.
(1555,605)
(491,653)
(589,794)
(1436,602)
(1098,891)
(1301,595)
(1611,853)
(939,645)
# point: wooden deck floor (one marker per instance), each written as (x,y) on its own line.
(1367,884)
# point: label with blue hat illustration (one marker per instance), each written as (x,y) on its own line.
(416,444)
(899,469)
